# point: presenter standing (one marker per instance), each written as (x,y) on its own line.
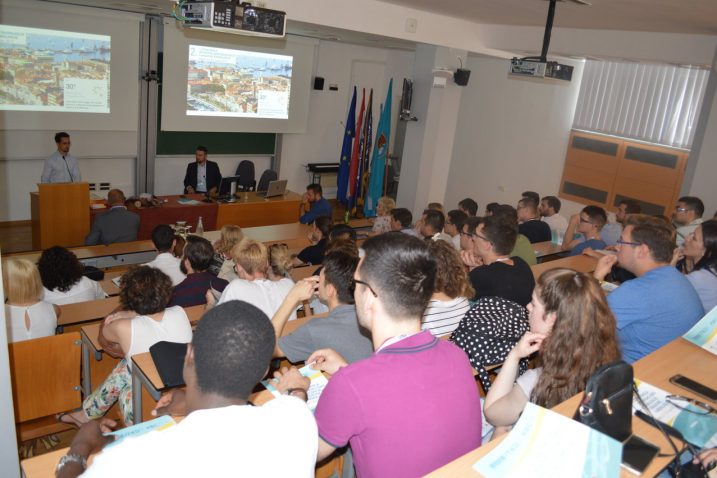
(202,176)
(61,166)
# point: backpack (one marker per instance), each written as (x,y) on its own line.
(489,331)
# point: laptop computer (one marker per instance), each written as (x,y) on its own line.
(275,188)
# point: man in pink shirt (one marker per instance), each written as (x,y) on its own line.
(412,406)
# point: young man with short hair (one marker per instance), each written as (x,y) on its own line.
(340,330)
(318,206)
(531,195)
(61,166)
(522,248)
(198,256)
(529,223)
(687,216)
(164,242)
(549,209)
(202,176)
(660,304)
(611,231)
(432,224)
(588,222)
(454,226)
(468,206)
(222,433)
(401,219)
(400,410)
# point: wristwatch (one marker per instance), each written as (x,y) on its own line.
(291,391)
(71,458)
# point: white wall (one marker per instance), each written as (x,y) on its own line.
(512,135)
(340,64)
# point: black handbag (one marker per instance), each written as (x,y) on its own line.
(607,402)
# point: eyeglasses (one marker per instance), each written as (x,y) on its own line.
(681,209)
(620,242)
(357,281)
(468,234)
(691,405)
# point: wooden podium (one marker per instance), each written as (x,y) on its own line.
(60,214)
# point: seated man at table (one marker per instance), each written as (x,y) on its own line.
(202,176)
(522,248)
(198,256)
(610,232)
(414,405)
(319,237)
(530,224)
(588,224)
(318,205)
(454,226)
(251,262)
(432,224)
(221,435)
(549,209)
(500,275)
(164,242)
(687,216)
(660,304)
(401,219)
(340,330)
(116,225)
(468,206)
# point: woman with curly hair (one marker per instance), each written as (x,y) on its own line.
(223,265)
(144,320)
(449,302)
(61,275)
(574,333)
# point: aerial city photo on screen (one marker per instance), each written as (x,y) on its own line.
(224,82)
(51,70)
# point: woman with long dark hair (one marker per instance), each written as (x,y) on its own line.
(574,332)
(700,262)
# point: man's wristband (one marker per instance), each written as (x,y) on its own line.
(71,458)
(293,391)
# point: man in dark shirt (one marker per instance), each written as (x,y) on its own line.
(500,275)
(198,255)
(530,224)
(318,205)
(319,236)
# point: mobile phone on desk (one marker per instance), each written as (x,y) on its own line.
(695,387)
(637,453)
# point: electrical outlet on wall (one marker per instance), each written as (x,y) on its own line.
(501,189)
(411,25)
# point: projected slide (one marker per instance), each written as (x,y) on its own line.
(52,70)
(224,82)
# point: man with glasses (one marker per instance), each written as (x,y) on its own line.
(660,304)
(500,275)
(687,216)
(414,405)
(588,223)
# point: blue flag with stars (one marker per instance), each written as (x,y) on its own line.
(342,180)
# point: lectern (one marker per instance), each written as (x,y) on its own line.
(60,214)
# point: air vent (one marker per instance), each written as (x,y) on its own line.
(656,158)
(585,192)
(595,145)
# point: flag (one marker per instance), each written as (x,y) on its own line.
(353,167)
(364,156)
(342,180)
(379,157)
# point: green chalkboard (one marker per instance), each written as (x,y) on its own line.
(185,142)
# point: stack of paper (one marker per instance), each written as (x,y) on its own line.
(704,333)
(318,383)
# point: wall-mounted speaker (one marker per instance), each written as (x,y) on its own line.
(461,76)
(319,82)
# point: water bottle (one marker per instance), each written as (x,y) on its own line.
(200,227)
(346,217)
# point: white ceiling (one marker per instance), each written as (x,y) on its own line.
(667,16)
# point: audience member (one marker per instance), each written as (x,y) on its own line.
(340,232)
(454,226)
(432,226)
(523,248)
(339,331)
(318,205)
(221,434)
(164,241)
(401,219)
(116,225)
(610,232)
(27,316)
(687,216)
(573,331)
(700,262)
(529,223)
(468,206)
(198,255)
(501,274)
(435,206)
(318,236)
(588,223)
(222,263)
(491,208)
(549,209)
(394,282)
(432,206)
(382,223)
(144,320)
(451,291)
(62,278)
(660,304)
(280,261)
(535,197)
(251,263)
(202,176)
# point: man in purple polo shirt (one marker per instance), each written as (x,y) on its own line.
(413,406)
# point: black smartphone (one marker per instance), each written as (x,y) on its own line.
(637,454)
(696,387)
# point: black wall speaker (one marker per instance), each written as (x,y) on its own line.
(319,82)
(461,76)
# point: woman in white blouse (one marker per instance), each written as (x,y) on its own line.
(27,316)
(62,278)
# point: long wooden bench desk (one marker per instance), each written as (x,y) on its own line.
(580,263)
(677,357)
(547,249)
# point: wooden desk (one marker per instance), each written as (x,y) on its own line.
(107,285)
(252,210)
(546,249)
(679,356)
(579,263)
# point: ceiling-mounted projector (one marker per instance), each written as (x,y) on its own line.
(540,69)
(232,16)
